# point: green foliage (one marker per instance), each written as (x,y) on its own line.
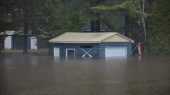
(119,11)
(159,33)
(111,15)
(6,20)
(49,18)
(127,7)
(158,38)
(114,21)
(57,16)
(53,17)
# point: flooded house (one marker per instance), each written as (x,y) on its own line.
(91,45)
(15,40)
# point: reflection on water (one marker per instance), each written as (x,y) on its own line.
(44,75)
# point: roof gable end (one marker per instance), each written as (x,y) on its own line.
(118,38)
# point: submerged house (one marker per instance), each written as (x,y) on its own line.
(15,40)
(91,45)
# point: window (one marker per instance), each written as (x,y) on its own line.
(70,53)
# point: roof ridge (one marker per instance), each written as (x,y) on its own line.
(126,38)
(89,37)
(109,36)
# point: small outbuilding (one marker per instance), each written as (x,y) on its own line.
(91,45)
(15,40)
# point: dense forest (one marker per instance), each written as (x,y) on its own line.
(146,21)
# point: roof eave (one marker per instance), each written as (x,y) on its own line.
(73,42)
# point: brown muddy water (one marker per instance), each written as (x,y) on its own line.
(43,75)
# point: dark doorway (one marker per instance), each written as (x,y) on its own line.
(70,53)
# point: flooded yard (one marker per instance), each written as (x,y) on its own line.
(44,75)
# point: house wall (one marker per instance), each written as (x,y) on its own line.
(18,42)
(78,52)
(8,42)
(117,44)
(98,50)
(32,43)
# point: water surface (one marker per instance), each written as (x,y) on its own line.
(44,75)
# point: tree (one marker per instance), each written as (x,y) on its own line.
(6,15)
(128,8)
(159,31)
(23,17)
(54,17)
(48,18)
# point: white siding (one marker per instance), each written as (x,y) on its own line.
(33,42)
(8,42)
(113,52)
(56,52)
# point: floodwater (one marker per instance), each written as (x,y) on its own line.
(44,75)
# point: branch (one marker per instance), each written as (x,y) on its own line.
(44,32)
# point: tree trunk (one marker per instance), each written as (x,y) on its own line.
(127,25)
(95,25)
(92,26)
(25,37)
(142,18)
(144,25)
(98,23)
